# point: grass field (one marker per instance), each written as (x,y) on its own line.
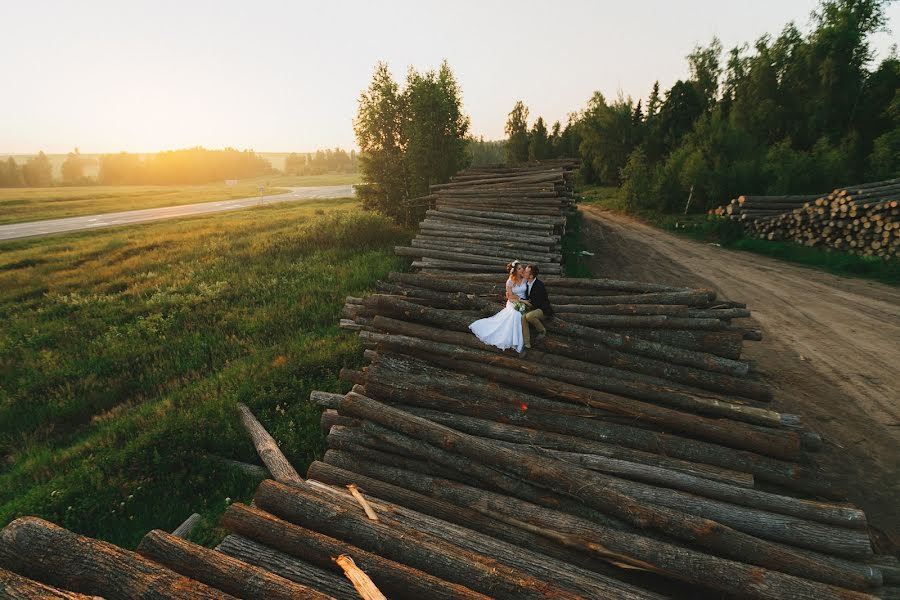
(18,205)
(729,234)
(124,352)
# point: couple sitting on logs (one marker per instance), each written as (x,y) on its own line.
(526,304)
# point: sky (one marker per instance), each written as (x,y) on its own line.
(279,76)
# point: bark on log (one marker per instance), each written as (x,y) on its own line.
(590,488)
(267,449)
(393,578)
(420,373)
(331,472)
(554,382)
(788,475)
(15,587)
(646,471)
(565,576)
(463,470)
(287,566)
(187,526)
(641,322)
(688,298)
(616,546)
(302,506)
(654,349)
(46,552)
(581,355)
(220,571)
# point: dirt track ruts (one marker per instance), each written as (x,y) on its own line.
(831,345)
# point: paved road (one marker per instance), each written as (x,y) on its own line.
(37,228)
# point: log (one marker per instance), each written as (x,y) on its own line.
(552,221)
(45,552)
(330,472)
(394,578)
(583,583)
(641,321)
(688,298)
(15,587)
(364,586)
(187,526)
(419,373)
(672,310)
(574,355)
(652,349)
(554,383)
(787,475)
(287,566)
(417,549)
(689,566)
(665,472)
(267,449)
(590,488)
(220,571)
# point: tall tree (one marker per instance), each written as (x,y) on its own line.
(378,129)
(37,171)
(517,134)
(73,168)
(706,70)
(434,128)
(11,173)
(539,145)
(609,135)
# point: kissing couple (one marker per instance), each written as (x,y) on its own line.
(527,304)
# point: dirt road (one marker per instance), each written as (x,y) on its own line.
(831,345)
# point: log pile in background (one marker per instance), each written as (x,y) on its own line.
(631,453)
(486,217)
(861,219)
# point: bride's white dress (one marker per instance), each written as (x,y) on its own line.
(504,329)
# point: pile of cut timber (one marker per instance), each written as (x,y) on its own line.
(631,453)
(486,217)
(860,219)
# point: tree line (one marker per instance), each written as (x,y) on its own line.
(409,137)
(172,167)
(322,161)
(793,114)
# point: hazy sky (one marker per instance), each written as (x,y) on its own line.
(280,76)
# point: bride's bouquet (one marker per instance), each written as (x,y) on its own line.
(520,306)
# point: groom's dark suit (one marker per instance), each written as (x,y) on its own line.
(536,294)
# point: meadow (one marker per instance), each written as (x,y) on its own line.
(123,353)
(19,205)
(729,234)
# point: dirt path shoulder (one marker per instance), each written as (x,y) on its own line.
(831,345)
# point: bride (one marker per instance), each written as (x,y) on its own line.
(504,329)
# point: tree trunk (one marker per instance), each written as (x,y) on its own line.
(220,571)
(593,489)
(287,566)
(393,578)
(48,553)
(417,549)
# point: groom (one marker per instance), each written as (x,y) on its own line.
(536,298)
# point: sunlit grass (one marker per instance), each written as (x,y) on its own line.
(123,354)
(19,205)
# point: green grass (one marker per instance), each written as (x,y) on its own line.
(575,264)
(729,234)
(124,352)
(34,204)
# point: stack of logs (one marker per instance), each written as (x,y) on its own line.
(631,453)
(860,219)
(485,217)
